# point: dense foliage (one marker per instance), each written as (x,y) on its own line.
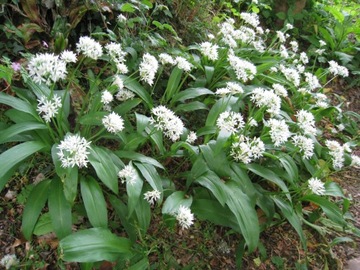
(126,118)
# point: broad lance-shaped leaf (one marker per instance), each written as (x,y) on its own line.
(7,134)
(289,213)
(191,93)
(94,202)
(60,210)
(133,190)
(18,104)
(212,182)
(174,201)
(173,83)
(34,204)
(150,174)
(138,89)
(245,214)
(101,160)
(92,245)
(12,157)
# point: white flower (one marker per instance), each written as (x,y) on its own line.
(183,64)
(250,18)
(336,69)
(312,81)
(336,152)
(9,260)
(321,100)
(165,58)
(184,217)
(244,70)
(252,122)
(355,161)
(316,186)
(127,174)
(49,108)
(322,43)
(283,52)
(246,150)
(280,35)
(166,121)
(300,68)
(121,18)
(230,121)
(191,137)
(274,69)
(209,50)
(113,122)
(267,98)
(89,47)
(121,68)
(152,196)
(305,144)
(106,97)
(68,56)
(294,45)
(115,52)
(118,82)
(231,88)
(291,74)
(46,68)
(73,151)
(306,122)
(279,90)
(304,58)
(279,131)
(319,51)
(124,94)
(259,46)
(148,68)
(289,26)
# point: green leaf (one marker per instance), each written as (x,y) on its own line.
(339,240)
(209,73)
(138,89)
(91,245)
(43,225)
(269,175)
(330,209)
(60,210)
(173,202)
(143,214)
(333,189)
(213,183)
(143,264)
(133,190)
(290,167)
(191,106)
(191,93)
(94,202)
(242,179)
(289,213)
(246,216)
(139,157)
(18,104)
(92,119)
(173,84)
(214,212)
(34,204)
(220,106)
(8,134)
(6,73)
(151,175)
(101,160)
(215,158)
(127,106)
(127,7)
(15,155)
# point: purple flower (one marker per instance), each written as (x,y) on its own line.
(16,66)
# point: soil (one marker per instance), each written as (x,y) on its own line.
(204,246)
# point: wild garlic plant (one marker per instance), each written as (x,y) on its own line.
(240,110)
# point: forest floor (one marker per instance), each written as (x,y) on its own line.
(204,246)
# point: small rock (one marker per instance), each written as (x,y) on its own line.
(353,264)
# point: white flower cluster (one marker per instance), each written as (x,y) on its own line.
(127,174)
(152,196)
(148,68)
(9,260)
(279,90)
(49,108)
(165,58)
(209,50)
(355,161)
(304,58)
(246,149)
(68,56)
(231,88)
(184,217)
(191,137)
(230,121)
(113,122)
(337,152)
(312,81)
(250,18)
(73,151)
(46,68)
(183,64)
(106,97)
(122,94)
(306,122)
(117,55)
(336,69)
(294,45)
(166,121)
(281,36)
(321,100)
(316,186)
(305,144)
(279,131)
(267,98)
(291,74)
(244,70)
(89,47)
